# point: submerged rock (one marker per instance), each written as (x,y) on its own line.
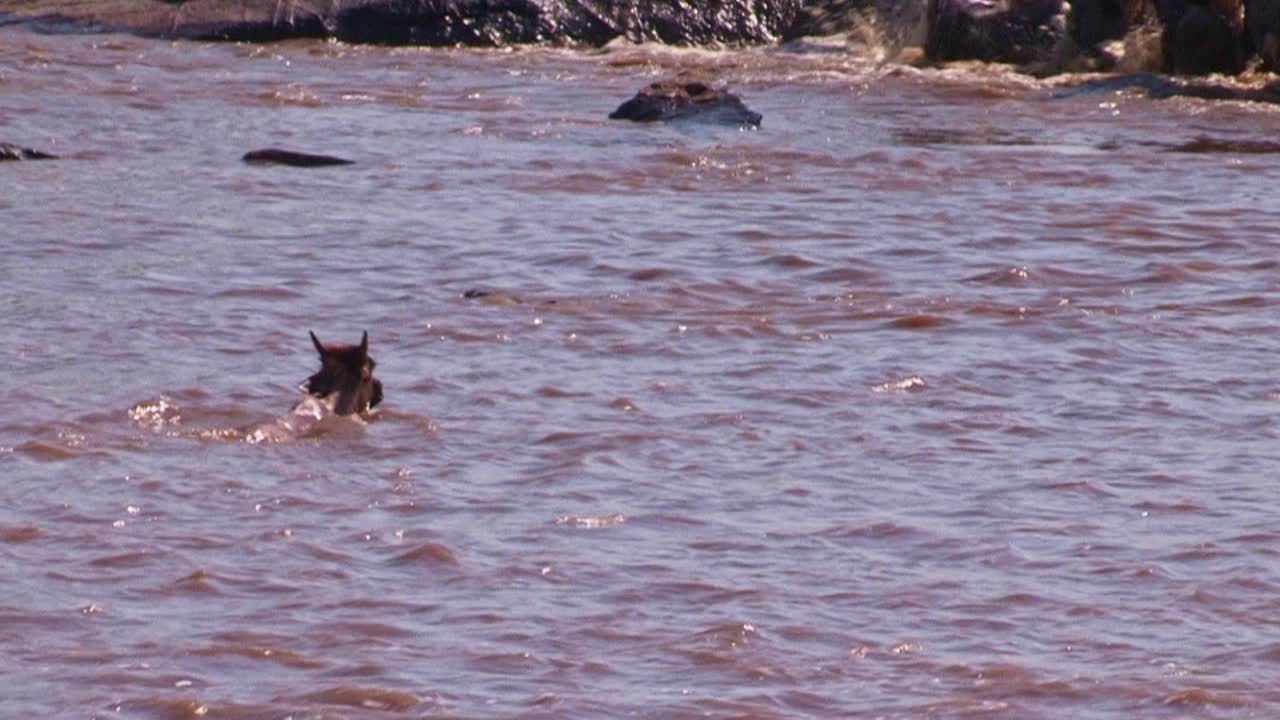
(1160,87)
(9,151)
(686,97)
(427,22)
(492,297)
(276,156)
(1205,144)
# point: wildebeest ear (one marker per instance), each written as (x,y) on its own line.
(364,344)
(316,340)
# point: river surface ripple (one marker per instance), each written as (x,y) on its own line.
(944,394)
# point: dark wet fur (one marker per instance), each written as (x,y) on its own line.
(346,371)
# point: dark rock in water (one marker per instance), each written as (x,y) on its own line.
(275,156)
(492,297)
(9,151)
(427,22)
(686,97)
(1010,31)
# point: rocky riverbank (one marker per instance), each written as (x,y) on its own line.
(1044,36)
(425,22)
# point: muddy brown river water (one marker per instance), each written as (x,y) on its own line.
(944,394)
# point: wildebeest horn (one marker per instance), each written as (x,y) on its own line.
(364,343)
(316,340)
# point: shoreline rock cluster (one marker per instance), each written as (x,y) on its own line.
(423,22)
(1193,37)
(1180,37)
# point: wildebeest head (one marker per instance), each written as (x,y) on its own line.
(346,375)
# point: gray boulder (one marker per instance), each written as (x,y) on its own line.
(686,97)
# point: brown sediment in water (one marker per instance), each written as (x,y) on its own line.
(950,386)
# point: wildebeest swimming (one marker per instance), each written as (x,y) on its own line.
(343,388)
(345,381)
